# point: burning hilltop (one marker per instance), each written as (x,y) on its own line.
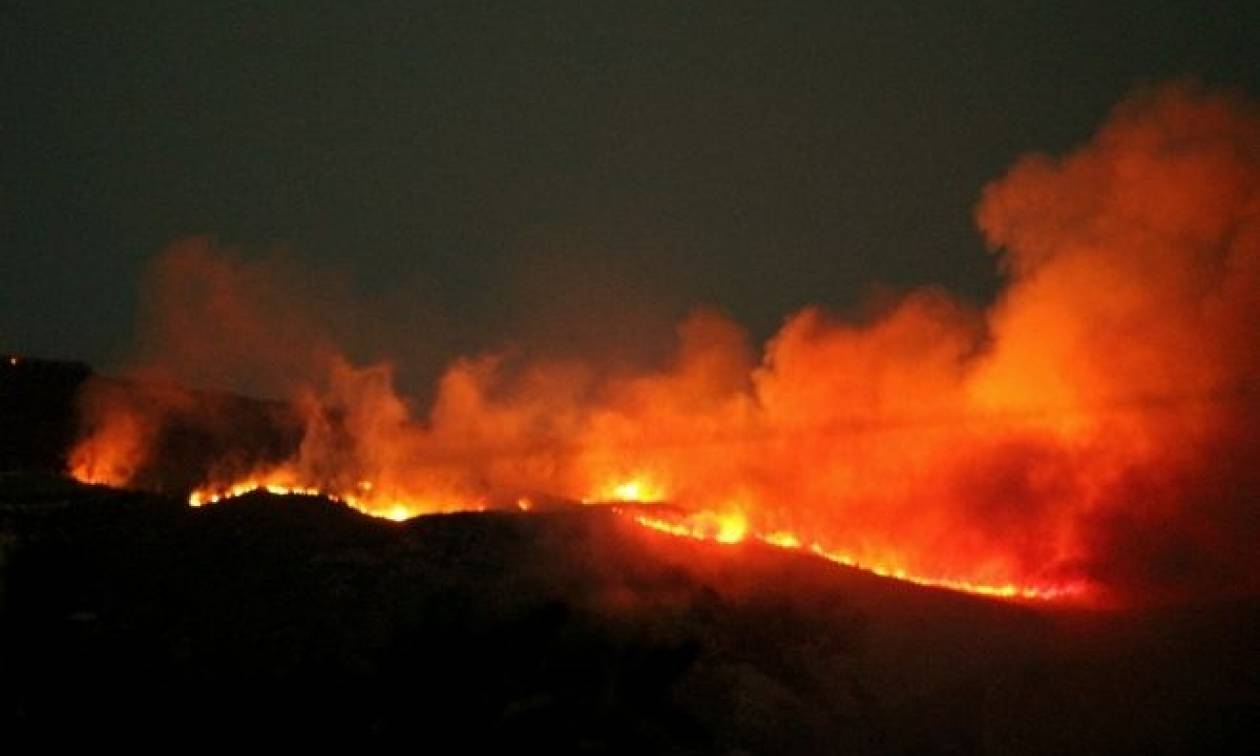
(1091,432)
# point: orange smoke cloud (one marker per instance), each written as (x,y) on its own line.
(1094,427)
(212,317)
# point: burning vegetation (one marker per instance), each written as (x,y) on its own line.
(1090,434)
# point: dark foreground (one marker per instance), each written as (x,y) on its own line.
(132,617)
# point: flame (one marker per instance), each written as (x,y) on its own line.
(112,454)
(731,526)
(202,497)
(726,527)
(639,488)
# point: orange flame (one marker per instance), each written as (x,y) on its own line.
(638,489)
(111,455)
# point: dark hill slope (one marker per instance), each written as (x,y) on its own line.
(129,615)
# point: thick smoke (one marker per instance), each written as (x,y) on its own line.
(1134,304)
(1096,424)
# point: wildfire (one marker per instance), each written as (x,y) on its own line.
(1094,425)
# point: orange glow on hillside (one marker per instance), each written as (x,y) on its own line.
(705,527)
(730,527)
(112,455)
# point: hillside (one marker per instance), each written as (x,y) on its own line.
(132,615)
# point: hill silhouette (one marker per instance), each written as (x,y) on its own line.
(295,617)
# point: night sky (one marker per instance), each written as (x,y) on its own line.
(503,172)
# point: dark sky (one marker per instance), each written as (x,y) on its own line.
(506,165)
